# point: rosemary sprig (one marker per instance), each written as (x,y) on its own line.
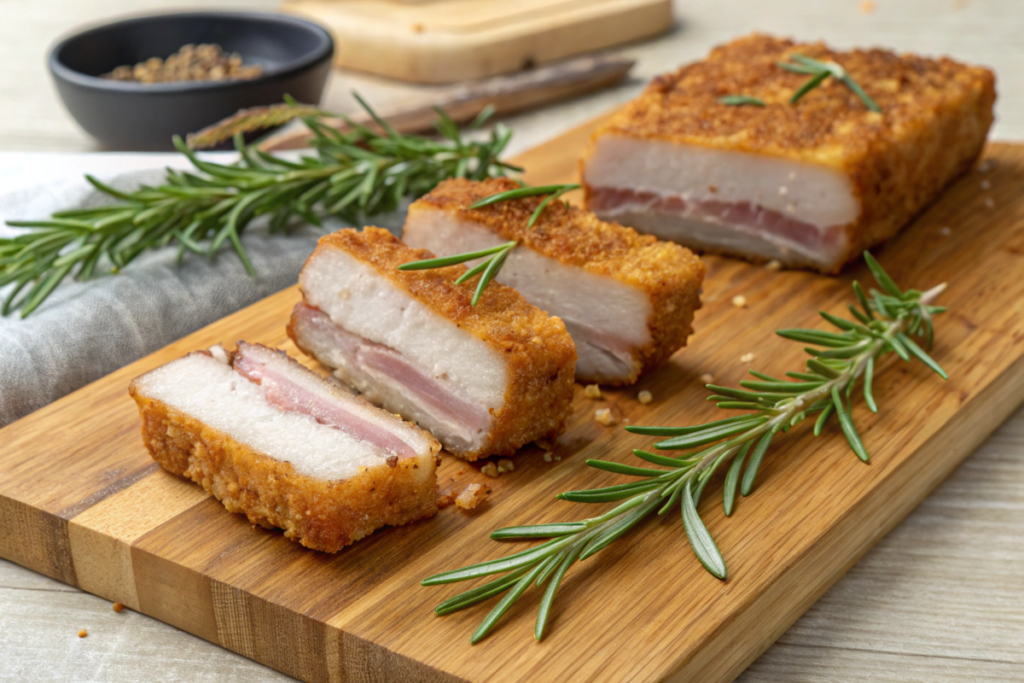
(498,253)
(553,192)
(885,322)
(489,268)
(818,72)
(740,100)
(352,175)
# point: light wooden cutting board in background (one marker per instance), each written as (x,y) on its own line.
(444,41)
(82,502)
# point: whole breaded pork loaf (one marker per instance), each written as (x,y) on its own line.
(810,183)
(275,441)
(627,299)
(484,379)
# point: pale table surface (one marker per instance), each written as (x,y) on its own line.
(941,598)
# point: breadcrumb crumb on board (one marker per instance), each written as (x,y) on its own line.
(472,496)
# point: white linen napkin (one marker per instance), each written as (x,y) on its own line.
(86,330)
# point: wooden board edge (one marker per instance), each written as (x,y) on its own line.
(438,59)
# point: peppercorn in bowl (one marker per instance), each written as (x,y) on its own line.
(136,83)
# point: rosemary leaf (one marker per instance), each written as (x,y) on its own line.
(869,375)
(747,485)
(823,418)
(506,602)
(619,468)
(444,261)
(918,352)
(700,540)
(740,100)
(537,531)
(495,264)
(732,477)
(520,193)
(808,86)
(819,71)
(472,597)
(549,593)
(847,424)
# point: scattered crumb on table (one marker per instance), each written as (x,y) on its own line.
(592,391)
(739,301)
(645,397)
(604,416)
(747,358)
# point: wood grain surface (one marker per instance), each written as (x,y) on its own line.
(92,510)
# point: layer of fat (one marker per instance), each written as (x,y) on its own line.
(811,193)
(418,440)
(214,394)
(704,233)
(594,308)
(364,303)
(381,389)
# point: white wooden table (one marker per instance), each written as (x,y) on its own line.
(941,598)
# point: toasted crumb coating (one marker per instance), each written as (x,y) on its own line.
(669,274)
(539,354)
(318,513)
(935,116)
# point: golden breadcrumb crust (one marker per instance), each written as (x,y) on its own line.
(539,354)
(669,274)
(935,116)
(318,513)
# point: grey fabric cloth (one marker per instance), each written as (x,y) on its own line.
(86,330)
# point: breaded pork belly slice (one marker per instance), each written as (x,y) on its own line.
(278,443)
(484,379)
(626,299)
(812,183)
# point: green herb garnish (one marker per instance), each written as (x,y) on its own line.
(489,268)
(499,253)
(352,175)
(740,100)
(819,71)
(884,323)
(555,191)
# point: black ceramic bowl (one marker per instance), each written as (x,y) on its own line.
(295,56)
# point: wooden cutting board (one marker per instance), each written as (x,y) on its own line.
(81,501)
(445,41)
